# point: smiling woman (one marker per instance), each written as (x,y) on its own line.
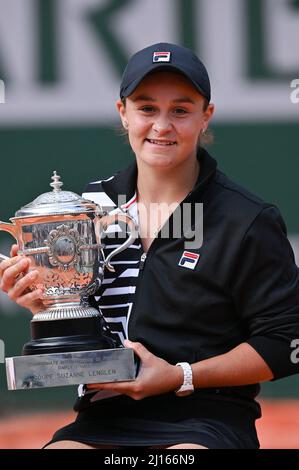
(208,323)
(165,117)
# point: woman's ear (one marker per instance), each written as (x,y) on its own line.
(208,114)
(121,108)
(122,113)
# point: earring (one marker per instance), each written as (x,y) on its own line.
(203,131)
(125,124)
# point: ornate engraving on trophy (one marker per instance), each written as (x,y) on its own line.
(62,283)
(64,245)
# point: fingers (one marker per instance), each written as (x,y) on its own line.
(131,389)
(28,300)
(139,349)
(135,388)
(10,262)
(14,250)
(16,282)
(94,386)
(22,285)
(10,269)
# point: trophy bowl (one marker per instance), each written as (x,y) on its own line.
(61,233)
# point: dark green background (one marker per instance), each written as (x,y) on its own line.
(262,157)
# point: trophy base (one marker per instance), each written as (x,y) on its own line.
(69,335)
(70,368)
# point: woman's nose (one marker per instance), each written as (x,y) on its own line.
(162,125)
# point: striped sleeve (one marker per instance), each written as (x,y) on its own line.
(94,192)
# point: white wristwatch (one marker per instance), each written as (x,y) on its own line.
(187,387)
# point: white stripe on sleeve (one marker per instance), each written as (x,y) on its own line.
(119,290)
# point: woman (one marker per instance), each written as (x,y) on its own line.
(209,320)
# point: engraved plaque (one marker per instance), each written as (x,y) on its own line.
(54,370)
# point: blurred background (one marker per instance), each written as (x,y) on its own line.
(61,62)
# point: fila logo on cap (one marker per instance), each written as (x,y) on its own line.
(189,260)
(161,57)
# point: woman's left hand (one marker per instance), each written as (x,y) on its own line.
(155,377)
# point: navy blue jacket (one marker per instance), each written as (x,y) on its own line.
(244,288)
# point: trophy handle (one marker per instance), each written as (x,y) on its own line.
(10,228)
(101,225)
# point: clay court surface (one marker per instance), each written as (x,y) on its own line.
(278,428)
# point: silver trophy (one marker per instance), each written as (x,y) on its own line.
(71,343)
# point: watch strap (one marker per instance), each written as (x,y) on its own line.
(187,385)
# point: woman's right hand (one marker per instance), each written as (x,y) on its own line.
(15,280)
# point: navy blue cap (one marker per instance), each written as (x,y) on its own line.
(165,56)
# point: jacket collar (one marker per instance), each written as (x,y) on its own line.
(124,182)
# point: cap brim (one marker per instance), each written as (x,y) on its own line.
(132,87)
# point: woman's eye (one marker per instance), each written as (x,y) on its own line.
(147,109)
(180,111)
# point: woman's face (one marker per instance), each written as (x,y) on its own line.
(165,117)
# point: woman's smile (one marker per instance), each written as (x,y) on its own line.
(161,143)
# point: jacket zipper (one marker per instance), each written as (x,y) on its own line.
(142,261)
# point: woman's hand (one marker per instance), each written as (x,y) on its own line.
(15,280)
(155,377)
